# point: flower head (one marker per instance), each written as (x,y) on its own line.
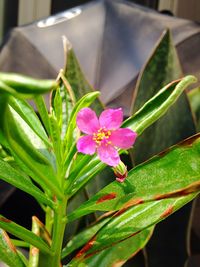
(104,135)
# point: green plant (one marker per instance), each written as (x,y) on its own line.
(39,156)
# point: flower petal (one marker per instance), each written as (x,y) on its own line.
(123,138)
(108,154)
(87,121)
(111,119)
(86,145)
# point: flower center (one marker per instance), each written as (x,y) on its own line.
(102,136)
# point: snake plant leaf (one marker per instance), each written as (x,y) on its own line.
(174,172)
(162,67)
(194,98)
(76,78)
(118,254)
(24,234)
(21,181)
(177,124)
(62,105)
(31,150)
(8,252)
(131,221)
(25,85)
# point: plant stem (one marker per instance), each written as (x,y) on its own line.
(49,219)
(58,233)
(34,252)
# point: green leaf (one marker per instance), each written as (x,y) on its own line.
(31,150)
(128,222)
(8,252)
(3,105)
(62,105)
(80,176)
(62,102)
(55,135)
(76,79)
(17,179)
(58,103)
(81,238)
(158,105)
(23,258)
(174,172)
(27,113)
(24,234)
(3,153)
(194,98)
(24,85)
(5,89)
(43,112)
(118,254)
(33,252)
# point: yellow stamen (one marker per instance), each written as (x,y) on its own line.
(102,135)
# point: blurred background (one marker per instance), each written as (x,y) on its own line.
(20,12)
(14,57)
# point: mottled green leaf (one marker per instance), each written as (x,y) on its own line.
(161,68)
(174,172)
(62,103)
(128,222)
(177,124)
(8,252)
(81,238)
(118,254)
(77,80)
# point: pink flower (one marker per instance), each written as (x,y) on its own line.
(103,135)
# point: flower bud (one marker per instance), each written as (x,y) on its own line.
(120,172)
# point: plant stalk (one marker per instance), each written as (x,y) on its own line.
(59,224)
